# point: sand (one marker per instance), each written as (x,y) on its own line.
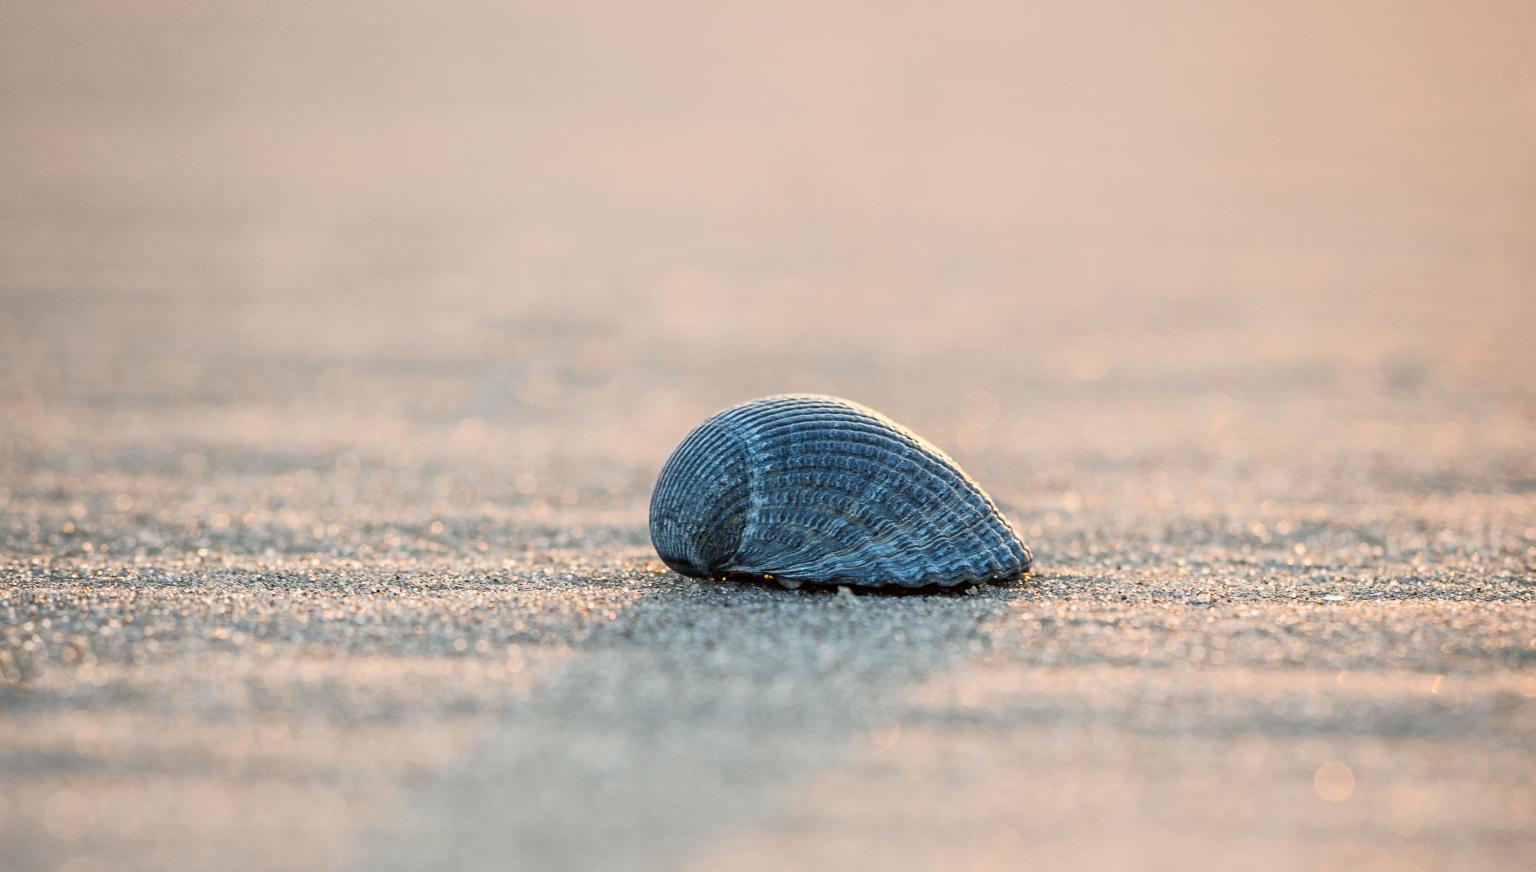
(339,352)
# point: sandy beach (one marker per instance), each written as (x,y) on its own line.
(340,347)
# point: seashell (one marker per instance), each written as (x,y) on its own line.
(818,490)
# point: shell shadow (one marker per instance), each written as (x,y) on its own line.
(696,709)
(832,588)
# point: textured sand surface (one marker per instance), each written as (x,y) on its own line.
(340,346)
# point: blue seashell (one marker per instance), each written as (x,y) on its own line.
(814,489)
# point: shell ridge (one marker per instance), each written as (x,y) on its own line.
(896,548)
(815,488)
(944,484)
(685,542)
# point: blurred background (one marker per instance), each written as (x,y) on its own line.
(587,208)
(432,286)
(472,245)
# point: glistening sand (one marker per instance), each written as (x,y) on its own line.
(339,348)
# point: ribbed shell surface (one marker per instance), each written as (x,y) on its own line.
(817,489)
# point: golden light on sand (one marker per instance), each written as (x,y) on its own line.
(885,734)
(1227,304)
(1334,781)
(67,816)
(1410,807)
